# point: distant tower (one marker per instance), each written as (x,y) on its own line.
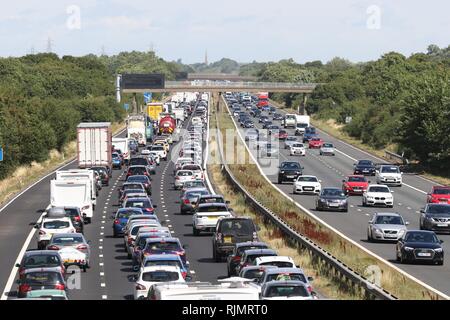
(49,44)
(103,53)
(206,57)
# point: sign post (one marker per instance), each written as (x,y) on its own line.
(147,97)
(126,106)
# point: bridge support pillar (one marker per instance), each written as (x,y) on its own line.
(302,106)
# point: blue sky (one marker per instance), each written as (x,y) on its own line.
(244,30)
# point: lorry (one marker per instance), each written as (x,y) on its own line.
(94,144)
(179,114)
(136,129)
(73,193)
(263,99)
(167,124)
(154,109)
(81,174)
(122,145)
(302,122)
(290,120)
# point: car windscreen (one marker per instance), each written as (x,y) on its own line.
(438,209)
(139,203)
(133,186)
(253,274)
(164,246)
(184,173)
(176,263)
(390,170)
(286,291)
(298,145)
(286,276)
(421,237)
(241,250)
(160,276)
(123,214)
(441,191)
(212,200)
(196,194)
(356,179)
(237,227)
(333,193)
(279,264)
(194,184)
(290,166)
(41,260)
(56,224)
(43,277)
(389,220)
(307,179)
(66,241)
(73,212)
(379,189)
(212,208)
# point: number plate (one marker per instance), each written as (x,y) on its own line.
(290,177)
(424,254)
(333,204)
(442,224)
(227,239)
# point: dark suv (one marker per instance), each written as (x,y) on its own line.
(289,171)
(230,231)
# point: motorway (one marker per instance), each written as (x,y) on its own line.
(409,199)
(108,277)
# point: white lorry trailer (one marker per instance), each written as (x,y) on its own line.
(122,145)
(302,122)
(94,142)
(81,174)
(136,129)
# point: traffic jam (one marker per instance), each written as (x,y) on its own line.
(174,131)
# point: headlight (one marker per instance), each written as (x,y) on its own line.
(370,197)
(377,230)
(408,249)
(401,232)
(282,171)
(438,250)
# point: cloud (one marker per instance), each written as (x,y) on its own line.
(124,23)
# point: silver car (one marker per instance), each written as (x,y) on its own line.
(290,140)
(327,148)
(73,249)
(386,226)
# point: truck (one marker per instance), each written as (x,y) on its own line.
(290,120)
(154,109)
(136,129)
(167,124)
(302,122)
(122,145)
(73,193)
(81,174)
(205,97)
(263,99)
(179,114)
(94,144)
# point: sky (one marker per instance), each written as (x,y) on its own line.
(244,30)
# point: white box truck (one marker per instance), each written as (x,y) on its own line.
(81,174)
(136,129)
(289,120)
(302,122)
(94,143)
(179,114)
(72,193)
(122,145)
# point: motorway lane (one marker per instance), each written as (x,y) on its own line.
(408,201)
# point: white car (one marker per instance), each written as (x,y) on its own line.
(50,226)
(145,152)
(206,216)
(289,141)
(278,261)
(149,276)
(307,185)
(327,148)
(297,148)
(156,156)
(183,176)
(378,194)
(389,175)
(160,151)
(196,169)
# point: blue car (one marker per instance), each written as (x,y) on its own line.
(121,219)
(166,260)
(308,136)
(116,161)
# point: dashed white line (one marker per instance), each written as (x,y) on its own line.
(102,274)
(100,256)
(101,264)
(359,210)
(100,248)
(101,240)
(102,285)
(102,227)
(104,297)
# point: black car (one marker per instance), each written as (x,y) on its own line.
(103,173)
(138,161)
(145,180)
(365,167)
(332,199)
(272,109)
(255,112)
(289,171)
(435,217)
(266,124)
(234,259)
(249,256)
(263,118)
(420,246)
(277,116)
(248,124)
(230,231)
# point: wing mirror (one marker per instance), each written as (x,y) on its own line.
(422,211)
(310,279)
(185,246)
(407,223)
(441,241)
(155,206)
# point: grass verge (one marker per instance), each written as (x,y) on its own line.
(24,176)
(250,177)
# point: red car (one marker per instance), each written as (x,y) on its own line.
(315,143)
(282,135)
(439,194)
(355,184)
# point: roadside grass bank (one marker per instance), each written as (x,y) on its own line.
(353,256)
(24,176)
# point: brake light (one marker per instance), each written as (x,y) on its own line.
(117,221)
(310,289)
(24,288)
(77,218)
(149,209)
(82,247)
(52,247)
(219,237)
(129,240)
(184,274)
(60,286)
(177,178)
(140,287)
(236,258)
(186,201)
(21,270)
(180,253)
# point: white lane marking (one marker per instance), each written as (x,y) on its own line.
(105,208)
(100,256)
(102,274)
(101,240)
(100,247)
(359,210)
(166,215)
(102,227)
(102,285)
(409,208)
(101,264)
(352,206)
(367,214)
(103,217)
(103,221)
(399,204)
(102,233)
(104,297)
(192,271)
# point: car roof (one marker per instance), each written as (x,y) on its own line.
(162,267)
(256,251)
(196,189)
(166,239)
(45,269)
(284,270)
(285,283)
(41,252)
(159,257)
(275,258)
(72,234)
(386,214)
(251,243)
(247,268)
(212,204)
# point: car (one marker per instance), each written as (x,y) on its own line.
(165,246)
(130,186)
(196,170)
(365,167)
(389,175)
(249,257)
(281,135)
(386,226)
(315,142)
(153,275)
(266,124)
(253,272)
(262,119)
(121,218)
(378,194)
(189,198)
(211,198)
(289,171)
(117,161)
(206,216)
(48,294)
(166,260)
(332,199)
(248,124)
(139,161)
(40,278)
(73,248)
(137,171)
(269,150)
(103,173)
(283,273)
(326,148)
(289,141)
(131,231)
(145,180)
(286,290)
(235,258)
(143,203)
(131,193)
(272,129)
(181,162)
(308,136)
(40,259)
(193,184)
(297,148)
(307,185)
(73,212)
(140,242)
(439,194)
(277,261)
(160,150)
(183,176)
(435,217)
(420,246)
(277,117)
(355,184)
(50,226)
(230,231)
